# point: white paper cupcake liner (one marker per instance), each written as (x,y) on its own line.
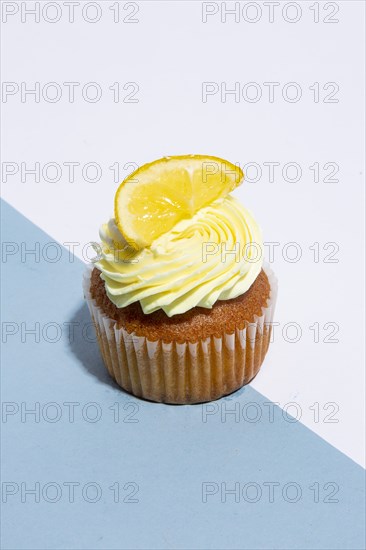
(183,372)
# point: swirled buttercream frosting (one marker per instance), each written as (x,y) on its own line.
(214,255)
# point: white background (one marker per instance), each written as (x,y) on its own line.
(169,53)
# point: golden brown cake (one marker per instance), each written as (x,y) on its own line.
(214,369)
(195,324)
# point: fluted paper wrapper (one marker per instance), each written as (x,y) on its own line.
(183,372)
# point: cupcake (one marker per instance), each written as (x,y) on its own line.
(180,297)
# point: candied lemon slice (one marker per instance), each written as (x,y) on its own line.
(151,200)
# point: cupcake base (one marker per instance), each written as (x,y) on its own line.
(183,372)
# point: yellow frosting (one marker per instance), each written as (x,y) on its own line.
(215,255)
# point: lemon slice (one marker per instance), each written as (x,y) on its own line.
(151,200)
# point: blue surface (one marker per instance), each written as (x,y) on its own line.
(167,451)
